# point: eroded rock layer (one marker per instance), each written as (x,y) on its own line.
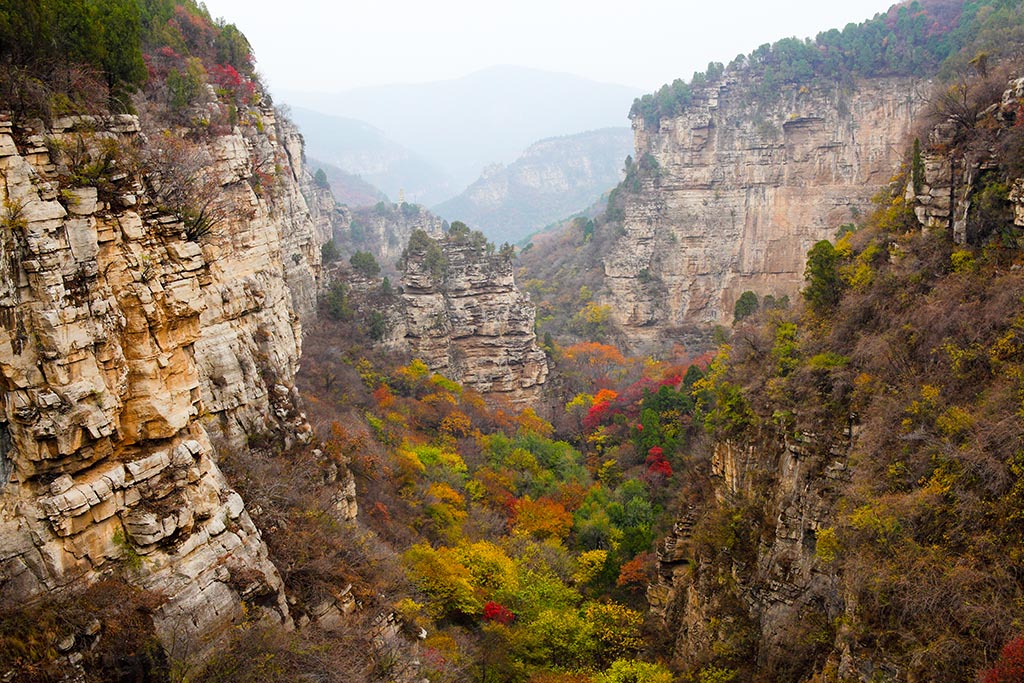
(129,346)
(737,188)
(466,319)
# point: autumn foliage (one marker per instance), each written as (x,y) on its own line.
(1009,668)
(498,614)
(507,533)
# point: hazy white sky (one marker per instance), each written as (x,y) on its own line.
(331,46)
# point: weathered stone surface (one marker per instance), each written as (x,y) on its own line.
(951,169)
(123,348)
(472,324)
(782,477)
(742,188)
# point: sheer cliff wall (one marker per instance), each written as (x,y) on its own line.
(466,319)
(128,348)
(738,187)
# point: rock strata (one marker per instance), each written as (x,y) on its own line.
(795,485)
(466,319)
(128,348)
(735,189)
(951,170)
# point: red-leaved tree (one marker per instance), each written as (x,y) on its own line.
(1009,668)
(657,465)
(498,613)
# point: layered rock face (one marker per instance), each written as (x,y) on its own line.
(795,486)
(941,194)
(126,346)
(466,319)
(737,188)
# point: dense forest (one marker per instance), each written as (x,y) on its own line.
(73,56)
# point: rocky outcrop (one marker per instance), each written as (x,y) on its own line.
(958,154)
(466,319)
(129,347)
(778,582)
(730,194)
(552,179)
(384,230)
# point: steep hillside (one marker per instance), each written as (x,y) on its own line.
(383,230)
(857,512)
(552,179)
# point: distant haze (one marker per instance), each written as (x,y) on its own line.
(460,125)
(309,45)
(418,98)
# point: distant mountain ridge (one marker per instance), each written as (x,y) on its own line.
(361,149)
(465,124)
(552,179)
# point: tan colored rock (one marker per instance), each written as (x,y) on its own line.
(472,324)
(743,187)
(123,348)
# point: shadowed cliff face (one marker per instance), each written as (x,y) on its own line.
(126,344)
(737,189)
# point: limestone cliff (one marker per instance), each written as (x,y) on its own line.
(960,160)
(129,346)
(781,559)
(466,319)
(781,589)
(730,194)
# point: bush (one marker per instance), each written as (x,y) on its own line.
(745,307)
(634,671)
(365,264)
(1009,668)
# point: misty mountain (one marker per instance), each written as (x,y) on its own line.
(360,149)
(552,179)
(465,124)
(348,188)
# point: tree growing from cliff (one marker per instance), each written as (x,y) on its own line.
(179,173)
(423,246)
(824,286)
(745,307)
(320,178)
